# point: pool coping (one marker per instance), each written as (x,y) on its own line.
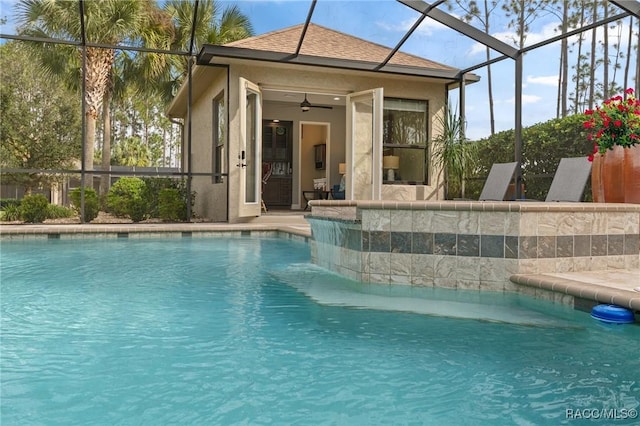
(299,230)
(591,285)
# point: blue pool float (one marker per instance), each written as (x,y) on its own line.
(612,314)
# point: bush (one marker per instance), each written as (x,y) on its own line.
(152,192)
(127,197)
(91,203)
(11,213)
(33,208)
(55,211)
(543,145)
(172,206)
(7,202)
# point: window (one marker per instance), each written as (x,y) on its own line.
(219,135)
(405,147)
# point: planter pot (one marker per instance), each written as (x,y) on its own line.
(597,190)
(632,174)
(615,176)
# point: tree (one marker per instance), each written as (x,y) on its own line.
(109,22)
(473,13)
(40,126)
(214,25)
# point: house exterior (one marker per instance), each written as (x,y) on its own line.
(275,118)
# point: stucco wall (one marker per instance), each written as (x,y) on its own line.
(211,197)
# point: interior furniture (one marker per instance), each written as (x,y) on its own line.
(316,194)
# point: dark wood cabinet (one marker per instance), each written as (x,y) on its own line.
(277,153)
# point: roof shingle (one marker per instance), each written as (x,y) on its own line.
(327,43)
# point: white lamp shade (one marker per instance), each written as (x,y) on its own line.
(391,162)
(342,168)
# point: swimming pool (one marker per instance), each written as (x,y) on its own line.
(246,330)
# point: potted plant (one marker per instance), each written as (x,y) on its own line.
(453,153)
(614,128)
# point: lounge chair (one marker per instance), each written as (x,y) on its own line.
(497,183)
(569,180)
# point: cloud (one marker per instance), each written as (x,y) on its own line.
(526,99)
(426,28)
(546,80)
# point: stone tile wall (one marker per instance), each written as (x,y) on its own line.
(471,245)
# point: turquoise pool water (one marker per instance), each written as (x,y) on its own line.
(247,331)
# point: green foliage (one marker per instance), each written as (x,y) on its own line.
(127,197)
(7,202)
(55,211)
(11,213)
(172,205)
(41,119)
(543,145)
(34,208)
(453,153)
(91,203)
(155,187)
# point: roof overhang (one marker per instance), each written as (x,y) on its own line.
(211,54)
(201,78)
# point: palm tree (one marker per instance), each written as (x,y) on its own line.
(214,25)
(107,22)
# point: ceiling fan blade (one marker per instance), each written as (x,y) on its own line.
(305,105)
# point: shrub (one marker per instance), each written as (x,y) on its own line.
(55,211)
(127,198)
(172,206)
(543,145)
(6,202)
(33,208)
(11,213)
(152,192)
(91,203)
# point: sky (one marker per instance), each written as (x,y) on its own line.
(386,22)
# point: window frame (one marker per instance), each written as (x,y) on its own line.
(389,148)
(218,144)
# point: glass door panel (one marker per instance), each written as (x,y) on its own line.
(250,148)
(364,145)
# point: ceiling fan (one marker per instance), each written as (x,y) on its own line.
(306,105)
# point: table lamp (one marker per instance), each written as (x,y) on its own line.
(391,163)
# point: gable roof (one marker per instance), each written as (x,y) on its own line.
(325,47)
(327,43)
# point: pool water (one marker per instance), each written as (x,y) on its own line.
(248,331)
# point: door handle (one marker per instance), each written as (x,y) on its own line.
(242,157)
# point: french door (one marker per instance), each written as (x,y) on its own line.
(364,145)
(249,149)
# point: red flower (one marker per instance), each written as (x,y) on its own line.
(589,112)
(617,123)
(590,158)
(588,125)
(629,91)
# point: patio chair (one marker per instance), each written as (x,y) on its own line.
(336,193)
(569,180)
(267,170)
(497,183)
